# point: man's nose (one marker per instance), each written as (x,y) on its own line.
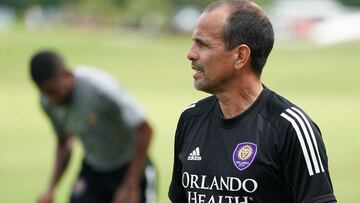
(192,54)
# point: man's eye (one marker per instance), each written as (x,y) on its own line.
(200,43)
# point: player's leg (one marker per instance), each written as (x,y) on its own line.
(88,188)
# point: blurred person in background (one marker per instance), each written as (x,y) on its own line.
(245,143)
(113,130)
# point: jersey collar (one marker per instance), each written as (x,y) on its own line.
(257,106)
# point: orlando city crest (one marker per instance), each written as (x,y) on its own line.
(244,154)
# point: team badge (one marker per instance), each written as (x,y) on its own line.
(92,118)
(244,154)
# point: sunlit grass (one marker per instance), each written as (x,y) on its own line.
(323,81)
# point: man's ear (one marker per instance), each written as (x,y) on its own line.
(69,77)
(242,56)
(68,73)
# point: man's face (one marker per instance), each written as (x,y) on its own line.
(213,64)
(58,89)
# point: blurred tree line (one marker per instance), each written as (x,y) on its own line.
(111,4)
(135,13)
(108,11)
(123,4)
(351,2)
(131,9)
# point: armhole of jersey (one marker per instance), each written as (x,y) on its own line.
(306,137)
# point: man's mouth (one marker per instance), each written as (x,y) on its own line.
(197,69)
(197,66)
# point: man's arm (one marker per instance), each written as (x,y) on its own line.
(129,190)
(304,160)
(62,157)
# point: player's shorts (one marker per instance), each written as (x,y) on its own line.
(99,187)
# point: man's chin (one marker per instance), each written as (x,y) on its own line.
(64,102)
(198,85)
(59,103)
(202,87)
(68,99)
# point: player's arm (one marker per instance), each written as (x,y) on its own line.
(62,153)
(135,171)
(129,190)
(62,157)
(304,160)
(126,110)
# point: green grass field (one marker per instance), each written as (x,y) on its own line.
(323,81)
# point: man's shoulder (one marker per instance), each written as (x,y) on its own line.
(91,81)
(276,105)
(281,112)
(91,74)
(200,107)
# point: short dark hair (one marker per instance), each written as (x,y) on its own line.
(247,24)
(45,65)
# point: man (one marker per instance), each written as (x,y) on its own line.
(245,143)
(112,128)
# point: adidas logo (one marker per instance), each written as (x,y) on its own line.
(195,155)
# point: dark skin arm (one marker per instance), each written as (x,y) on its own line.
(129,190)
(62,157)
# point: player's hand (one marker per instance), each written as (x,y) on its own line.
(47,197)
(127,193)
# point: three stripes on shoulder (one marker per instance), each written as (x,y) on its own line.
(306,138)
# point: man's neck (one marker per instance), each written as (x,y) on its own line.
(237,100)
